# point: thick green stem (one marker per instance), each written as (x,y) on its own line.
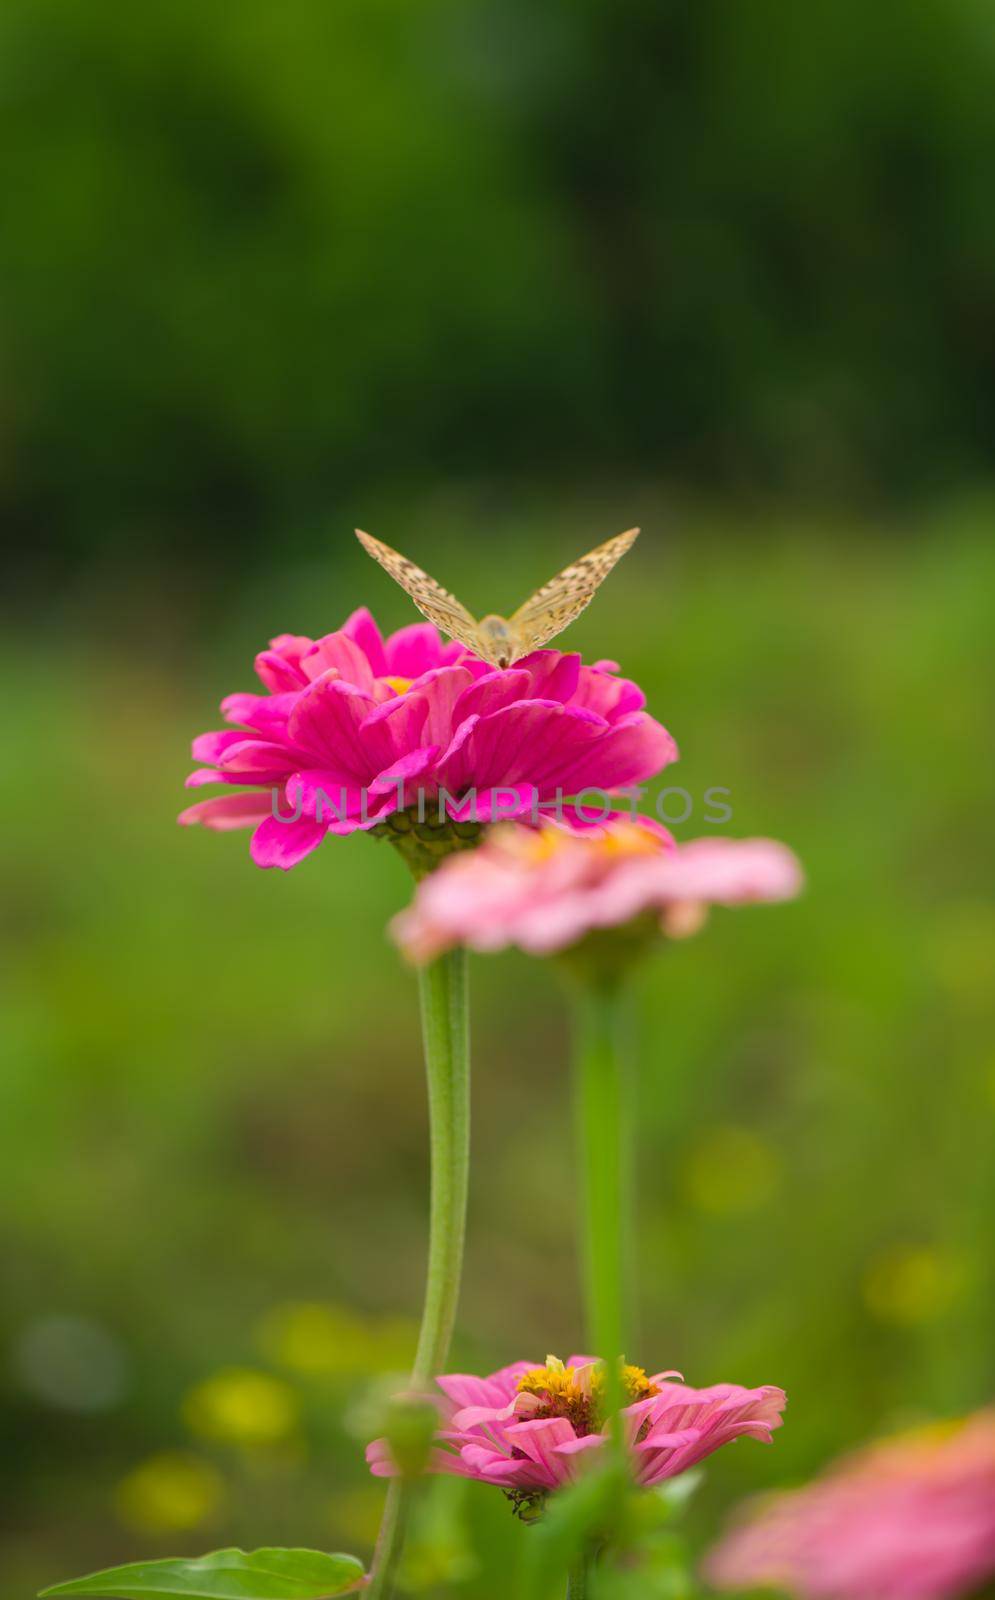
(602,1132)
(577,1579)
(445,1032)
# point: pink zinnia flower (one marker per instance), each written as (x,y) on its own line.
(528,1427)
(353,727)
(545,890)
(912,1518)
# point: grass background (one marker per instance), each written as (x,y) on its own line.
(494,282)
(214,1105)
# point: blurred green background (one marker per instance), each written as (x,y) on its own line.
(494,281)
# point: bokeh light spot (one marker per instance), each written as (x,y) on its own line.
(168,1493)
(907,1284)
(71,1363)
(242,1406)
(731,1170)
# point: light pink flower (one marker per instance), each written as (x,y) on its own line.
(912,1518)
(544,890)
(529,1427)
(353,727)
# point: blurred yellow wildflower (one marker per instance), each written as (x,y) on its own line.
(912,1283)
(963,949)
(356,1513)
(242,1406)
(168,1493)
(321,1339)
(730,1170)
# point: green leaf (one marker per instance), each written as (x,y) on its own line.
(675,1493)
(224,1575)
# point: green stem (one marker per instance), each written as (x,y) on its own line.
(445,1034)
(577,1579)
(602,1134)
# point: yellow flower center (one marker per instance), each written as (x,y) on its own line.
(622,838)
(577,1393)
(399,685)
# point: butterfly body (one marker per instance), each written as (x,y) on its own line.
(496,641)
(501,641)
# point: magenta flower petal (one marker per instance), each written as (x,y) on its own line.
(545,889)
(553,676)
(440,690)
(255,761)
(210,747)
(279,672)
(417,649)
(518,743)
(541,1441)
(362,629)
(336,652)
(263,713)
(912,1518)
(502,804)
(467,1389)
(352,709)
(225,811)
(492,1432)
(321,795)
(401,779)
(284,844)
(327,720)
(627,753)
(492,692)
(394,728)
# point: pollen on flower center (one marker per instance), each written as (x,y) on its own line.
(577,1393)
(622,839)
(399,685)
(629,839)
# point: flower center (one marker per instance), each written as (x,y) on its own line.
(577,1393)
(623,838)
(399,685)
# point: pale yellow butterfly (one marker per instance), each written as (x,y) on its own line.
(502,640)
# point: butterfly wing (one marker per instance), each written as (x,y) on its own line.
(432,600)
(553,607)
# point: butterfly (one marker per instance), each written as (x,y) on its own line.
(503,640)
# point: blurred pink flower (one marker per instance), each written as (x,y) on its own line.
(353,727)
(912,1518)
(528,1427)
(543,890)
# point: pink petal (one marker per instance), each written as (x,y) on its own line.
(336,652)
(277,673)
(541,1440)
(577,1447)
(202,775)
(520,743)
(613,697)
(394,728)
(256,760)
(629,752)
(327,720)
(284,844)
(398,779)
(362,629)
(225,811)
(490,693)
(502,803)
(552,676)
(314,788)
(729,872)
(210,746)
(263,713)
(439,690)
